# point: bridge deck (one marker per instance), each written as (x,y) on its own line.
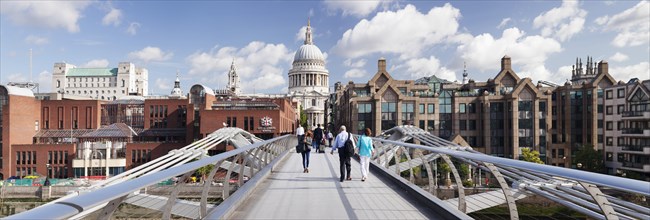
(289,193)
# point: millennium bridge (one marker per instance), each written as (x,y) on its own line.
(264,179)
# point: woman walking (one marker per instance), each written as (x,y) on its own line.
(365,152)
(305,153)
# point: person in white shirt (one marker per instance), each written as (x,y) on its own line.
(329,138)
(300,133)
(344,158)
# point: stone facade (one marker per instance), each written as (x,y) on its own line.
(497,117)
(626,127)
(100,83)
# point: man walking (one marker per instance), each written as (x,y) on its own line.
(300,134)
(344,158)
(318,137)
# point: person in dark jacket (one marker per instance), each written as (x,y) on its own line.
(318,137)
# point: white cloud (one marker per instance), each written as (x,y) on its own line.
(133,28)
(640,70)
(151,54)
(300,36)
(503,23)
(531,52)
(355,8)
(260,65)
(36,40)
(562,22)
(164,84)
(420,67)
(405,32)
(98,63)
(48,14)
(355,73)
(618,57)
(632,25)
(355,64)
(113,17)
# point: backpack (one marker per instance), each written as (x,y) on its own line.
(348,147)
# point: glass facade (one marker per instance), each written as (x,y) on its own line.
(388,115)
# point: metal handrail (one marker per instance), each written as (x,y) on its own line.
(70,207)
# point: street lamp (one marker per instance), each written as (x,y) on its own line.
(49,170)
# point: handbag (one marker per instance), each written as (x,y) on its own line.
(299,148)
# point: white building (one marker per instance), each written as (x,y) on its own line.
(309,80)
(100,83)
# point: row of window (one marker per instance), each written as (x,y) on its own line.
(74,114)
(620,93)
(140,156)
(92,79)
(25,157)
(609,110)
(91,85)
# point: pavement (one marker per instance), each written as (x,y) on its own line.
(288,193)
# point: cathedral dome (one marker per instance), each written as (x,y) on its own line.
(308,52)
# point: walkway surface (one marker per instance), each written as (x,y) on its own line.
(288,193)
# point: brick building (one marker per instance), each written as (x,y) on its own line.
(497,117)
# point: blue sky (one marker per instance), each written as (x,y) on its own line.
(199,39)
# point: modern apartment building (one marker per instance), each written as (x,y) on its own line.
(627,129)
(497,117)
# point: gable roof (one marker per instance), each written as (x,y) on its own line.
(505,73)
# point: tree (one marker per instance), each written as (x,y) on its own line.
(303,118)
(531,155)
(589,159)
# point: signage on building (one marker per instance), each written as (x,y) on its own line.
(266,125)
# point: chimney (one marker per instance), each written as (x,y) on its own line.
(603,67)
(381,64)
(506,63)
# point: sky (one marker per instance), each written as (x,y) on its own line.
(199,39)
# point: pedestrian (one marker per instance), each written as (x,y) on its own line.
(344,158)
(318,138)
(330,137)
(365,152)
(306,152)
(300,133)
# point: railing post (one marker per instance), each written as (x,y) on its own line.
(462,206)
(512,206)
(600,200)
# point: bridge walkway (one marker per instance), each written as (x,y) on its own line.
(288,193)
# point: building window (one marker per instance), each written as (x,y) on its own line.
(620,109)
(461,108)
(609,125)
(472,125)
(600,123)
(600,139)
(388,115)
(620,141)
(609,94)
(431,108)
(620,125)
(421,109)
(609,141)
(407,113)
(600,108)
(364,114)
(609,110)
(245,123)
(620,93)
(471,108)
(463,125)
(251,124)
(431,125)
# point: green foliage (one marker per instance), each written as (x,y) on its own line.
(405,173)
(303,118)
(531,155)
(204,171)
(443,168)
(590,159)
(463,170)
(468,183)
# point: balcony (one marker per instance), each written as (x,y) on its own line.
(636,132)
(637,166)
(636,114)
(639,149)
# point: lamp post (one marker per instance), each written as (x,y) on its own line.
(49,170)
